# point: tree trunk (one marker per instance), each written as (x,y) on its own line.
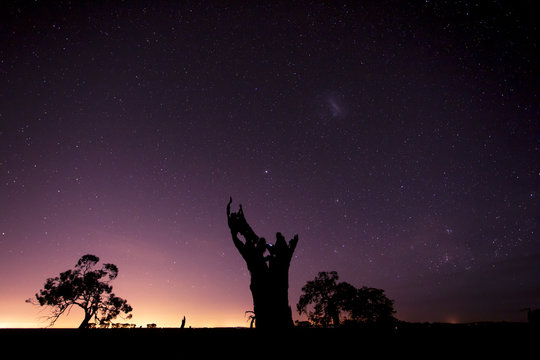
(335,319)
(269,269)
(87,317)
(270,292)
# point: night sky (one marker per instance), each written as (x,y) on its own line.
(399,139)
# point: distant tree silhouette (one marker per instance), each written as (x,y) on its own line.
(183,323)
(330,300)
(371,306)
(323,294)
(86,287)
(123,326)
(533,316)
(269,269)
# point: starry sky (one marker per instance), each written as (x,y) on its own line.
(399,139)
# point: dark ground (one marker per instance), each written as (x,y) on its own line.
(514,340)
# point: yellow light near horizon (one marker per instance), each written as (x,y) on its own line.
(157,294)
(225,323)
(18,325)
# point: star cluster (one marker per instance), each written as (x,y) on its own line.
(399,140)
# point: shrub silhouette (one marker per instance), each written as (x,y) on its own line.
(86,287)
(269,269)
(330,300)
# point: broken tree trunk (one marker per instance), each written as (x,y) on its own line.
(268,265)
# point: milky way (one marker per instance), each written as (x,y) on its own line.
(399,141)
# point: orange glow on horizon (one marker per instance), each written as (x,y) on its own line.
(27,320)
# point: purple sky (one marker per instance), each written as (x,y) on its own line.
(399,141)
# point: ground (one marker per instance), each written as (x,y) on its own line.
(419,340)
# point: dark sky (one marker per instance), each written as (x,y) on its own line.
(399,139)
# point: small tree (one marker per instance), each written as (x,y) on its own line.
(330,300)
(86,287)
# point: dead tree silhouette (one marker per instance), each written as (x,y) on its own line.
(269,269)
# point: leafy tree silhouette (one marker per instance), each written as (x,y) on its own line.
(330,300)
(86,287)
(371,306)
(269,269)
